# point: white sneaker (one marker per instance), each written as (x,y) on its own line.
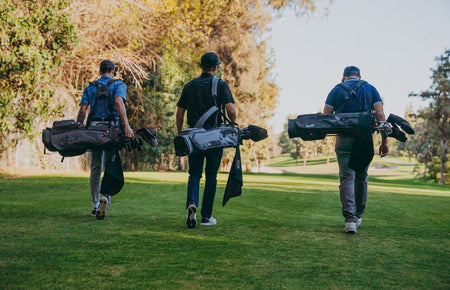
(103,208)
(350,228)
(191,216)
(209,221)
(358,221)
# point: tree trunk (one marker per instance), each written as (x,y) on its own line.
(182,163)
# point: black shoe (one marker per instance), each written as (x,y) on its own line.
(191,216)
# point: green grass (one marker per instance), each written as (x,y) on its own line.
(285,231)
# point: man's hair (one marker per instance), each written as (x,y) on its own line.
(352,71)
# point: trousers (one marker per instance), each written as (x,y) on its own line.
(196,160)
(353,185)
(98,158)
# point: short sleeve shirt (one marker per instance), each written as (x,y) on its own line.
(341,102)
(101,109)
(197,98)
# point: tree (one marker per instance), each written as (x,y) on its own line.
(35,37)
(436,127)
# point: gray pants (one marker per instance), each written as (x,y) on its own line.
(353,185)
(97,165)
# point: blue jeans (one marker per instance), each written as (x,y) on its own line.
(196,160)
(353,185)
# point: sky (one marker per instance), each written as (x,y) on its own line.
(393,42)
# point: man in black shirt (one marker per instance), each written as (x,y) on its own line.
(196,99)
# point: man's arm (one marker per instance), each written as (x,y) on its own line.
(379,114)
(180,119)
(120,108)
(82,113)
(231,111)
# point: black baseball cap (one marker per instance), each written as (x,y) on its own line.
(209,59)
(351,71)
(107,66)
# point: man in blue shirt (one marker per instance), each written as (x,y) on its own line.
(196,99)
(353,185)
(104,110)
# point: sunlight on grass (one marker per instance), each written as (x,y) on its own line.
(285,231)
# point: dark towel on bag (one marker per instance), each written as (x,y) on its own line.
(362,150)
(113,179)
(235,181)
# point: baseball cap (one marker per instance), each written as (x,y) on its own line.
(107,66)
(351,71)
(209,59)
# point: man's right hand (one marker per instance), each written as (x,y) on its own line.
(384,148)
(128,131)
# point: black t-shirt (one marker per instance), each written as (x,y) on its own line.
(197,98)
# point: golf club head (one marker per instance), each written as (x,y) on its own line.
(394,119)
(397,133)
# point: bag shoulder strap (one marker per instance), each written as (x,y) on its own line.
(213,109)
(215,81)
(110,104)
(352,91)
(205,117)
(355,88)
(221,109)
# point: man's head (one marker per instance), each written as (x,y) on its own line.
(209,61)
(107,67)
(352,71)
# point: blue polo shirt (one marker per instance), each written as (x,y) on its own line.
(117,88)
(197,98)
(339,99)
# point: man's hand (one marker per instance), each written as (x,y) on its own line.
(128,131)
(384,148)
(120,108)
(82,113)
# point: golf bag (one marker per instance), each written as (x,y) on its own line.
(317,126)
(70,138)
(224,136)
(359,125)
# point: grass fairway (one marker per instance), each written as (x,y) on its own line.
(285,231)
